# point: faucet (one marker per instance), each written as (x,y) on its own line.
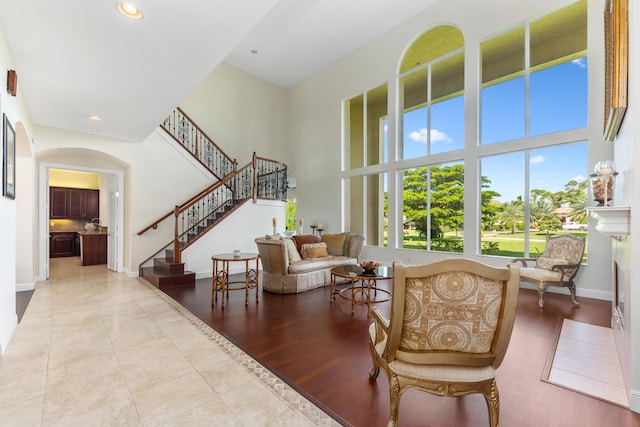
(99,223)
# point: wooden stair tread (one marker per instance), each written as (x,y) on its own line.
(166,280)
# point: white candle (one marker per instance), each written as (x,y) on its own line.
(605,171)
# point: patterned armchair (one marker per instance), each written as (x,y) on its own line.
(448,332)
(557,266)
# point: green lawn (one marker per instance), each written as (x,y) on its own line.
(499,244)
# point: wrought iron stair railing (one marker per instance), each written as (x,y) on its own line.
(193,139)
(261,179)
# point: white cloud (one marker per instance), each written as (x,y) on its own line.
(436,136)
(578,178)
(582,63)
(536,159)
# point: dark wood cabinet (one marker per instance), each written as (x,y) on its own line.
(58,202)
(62,244)
(74,203)
(94,248)
(92,204)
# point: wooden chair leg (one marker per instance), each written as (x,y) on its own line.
(394,401)
(572,290)
(375,370)
(540,298)
(493,404)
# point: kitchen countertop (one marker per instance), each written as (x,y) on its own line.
(84,233)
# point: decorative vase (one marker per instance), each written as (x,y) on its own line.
(602,187)
(369,271)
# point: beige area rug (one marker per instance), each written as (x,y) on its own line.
(294,399)
(585,360)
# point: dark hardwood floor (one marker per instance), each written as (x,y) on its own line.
(322,350)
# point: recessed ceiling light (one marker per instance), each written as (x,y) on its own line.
(95,118)
(129,10)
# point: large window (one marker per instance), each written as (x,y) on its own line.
(366,129)
(534,96)
(554,178)
(433,94)
(519,174)
(367,208)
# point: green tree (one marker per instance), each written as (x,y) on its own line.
(512,214)
(541,205)
(447,198)
(415,198)
(446,191)
(490,208)
(575,196)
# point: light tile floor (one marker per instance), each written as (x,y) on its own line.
(98,348)
(586,360)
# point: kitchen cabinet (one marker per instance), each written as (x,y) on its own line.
(63,244)
(93,247)
(74,203)
(58,202)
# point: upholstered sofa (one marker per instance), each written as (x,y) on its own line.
(304,262)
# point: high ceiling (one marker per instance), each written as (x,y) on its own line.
(87,59)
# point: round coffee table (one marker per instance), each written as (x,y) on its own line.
(362,284)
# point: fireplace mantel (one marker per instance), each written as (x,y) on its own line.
(613,221)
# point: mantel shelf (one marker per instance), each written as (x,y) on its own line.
(613,221)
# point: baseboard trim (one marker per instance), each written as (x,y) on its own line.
(20,287)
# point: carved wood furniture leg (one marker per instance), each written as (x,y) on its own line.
(540,298)
(493,403)
(572,289)
(246,282)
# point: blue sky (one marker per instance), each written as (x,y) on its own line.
(558,101)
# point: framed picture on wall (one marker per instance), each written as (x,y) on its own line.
(616,46)
(9,159)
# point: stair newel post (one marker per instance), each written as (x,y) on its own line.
(177,256)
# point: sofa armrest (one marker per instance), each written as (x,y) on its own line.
(356,241)
(273,256)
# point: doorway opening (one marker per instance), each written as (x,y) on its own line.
(112,210)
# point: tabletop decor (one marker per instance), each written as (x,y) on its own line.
(602,182)
(369,267)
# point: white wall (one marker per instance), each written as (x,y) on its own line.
(237,231)
(241,113)
(18,116)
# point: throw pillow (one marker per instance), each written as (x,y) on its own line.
(272,237)
(314,250)
(546,262)
(305,238)
(336,243)
(292,251)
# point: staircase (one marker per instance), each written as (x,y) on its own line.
(260,179)
(165,274)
